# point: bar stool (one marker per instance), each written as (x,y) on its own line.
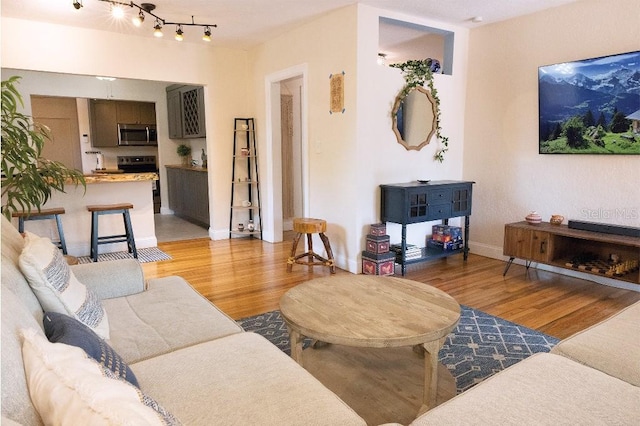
(310,226)
(99,210)
(53,213)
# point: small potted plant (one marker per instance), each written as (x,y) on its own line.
(184,151)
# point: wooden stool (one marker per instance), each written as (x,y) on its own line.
(96,212)
(53,213)
(310,227)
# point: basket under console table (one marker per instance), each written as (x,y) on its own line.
(607,255)
(416,202)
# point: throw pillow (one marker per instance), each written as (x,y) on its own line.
(61,328)
(57,288)
(68,388)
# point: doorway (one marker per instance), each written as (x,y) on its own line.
(287,151)
(290,119)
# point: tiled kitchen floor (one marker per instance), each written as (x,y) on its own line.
(172,228)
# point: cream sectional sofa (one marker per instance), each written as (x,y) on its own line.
(590,378)
(186,354)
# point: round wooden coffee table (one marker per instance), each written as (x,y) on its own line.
(370,311)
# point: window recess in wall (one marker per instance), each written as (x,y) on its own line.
(400,41)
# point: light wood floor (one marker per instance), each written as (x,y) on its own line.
(246,277)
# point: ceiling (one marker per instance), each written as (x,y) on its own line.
(246,23)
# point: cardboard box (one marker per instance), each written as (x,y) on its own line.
(377,244)
(446,246)
(454,232)
(378,229)
(378,264)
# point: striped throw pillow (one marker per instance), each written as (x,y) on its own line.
(57,288)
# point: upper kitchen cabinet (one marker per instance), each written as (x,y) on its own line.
(106,114)
(136,112)
(185,106)
(104,128)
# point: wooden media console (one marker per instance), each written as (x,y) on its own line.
(606,255)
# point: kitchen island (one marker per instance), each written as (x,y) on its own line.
(134,188)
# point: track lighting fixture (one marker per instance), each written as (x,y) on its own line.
(77,4)
(138,20)
(207,34)
(157,29)
(117,9)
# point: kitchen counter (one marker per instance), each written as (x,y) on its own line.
(119,177)
(192,168)
(135,188)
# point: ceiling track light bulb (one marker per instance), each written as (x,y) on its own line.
(117,11)
(138,20)
(207,34)
(179,33)
(77,4)
(157,29)
(382,59)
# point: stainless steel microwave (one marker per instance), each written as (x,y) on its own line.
(137,135)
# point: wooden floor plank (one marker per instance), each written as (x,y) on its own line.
(246,277)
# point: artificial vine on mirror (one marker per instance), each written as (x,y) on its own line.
(416,72)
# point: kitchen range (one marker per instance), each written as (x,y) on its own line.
(142,164)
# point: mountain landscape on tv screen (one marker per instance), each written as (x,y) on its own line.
(600,85)
(590,106)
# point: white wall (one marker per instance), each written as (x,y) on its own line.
(380,158)
(351,154)
(39,46)
(501,145)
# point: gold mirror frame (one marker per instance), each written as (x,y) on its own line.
(432,120)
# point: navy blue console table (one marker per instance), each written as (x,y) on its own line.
(415,202)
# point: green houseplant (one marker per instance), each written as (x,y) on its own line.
(184,151)
(28,180)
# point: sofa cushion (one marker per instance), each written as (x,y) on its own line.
(69,388)
(57,288)
(61,328)
(243,380)
(544,389)
(16,403)
(12,277)
(169,315)
(611,346)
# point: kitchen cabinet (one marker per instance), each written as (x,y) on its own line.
(128,112)
(416,202)
(186,115)
(104,116)
(103,119)
(188,190)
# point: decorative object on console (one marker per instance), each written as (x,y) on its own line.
(184,151)
(204,159)
(556,219)
(533,218)
(377,259)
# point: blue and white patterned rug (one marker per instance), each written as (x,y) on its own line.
(480,346)
(149,254)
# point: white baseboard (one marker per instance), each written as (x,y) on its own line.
(84,249)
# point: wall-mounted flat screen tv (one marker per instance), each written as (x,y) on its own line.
(591,106)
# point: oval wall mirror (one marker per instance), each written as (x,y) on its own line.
(414,118)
